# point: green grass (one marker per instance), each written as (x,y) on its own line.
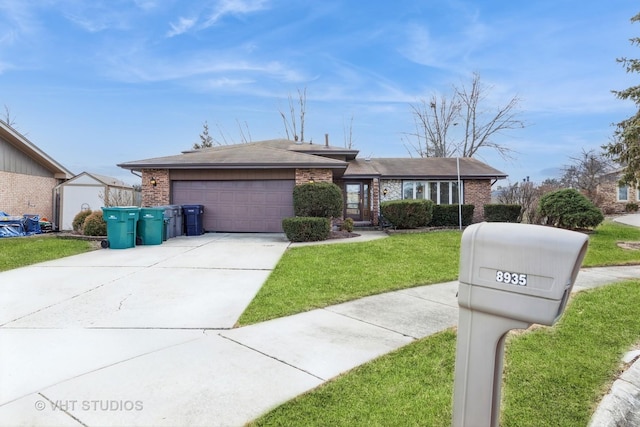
(553,376)
(310,277)
(603,249)
(20,251)
(317,276)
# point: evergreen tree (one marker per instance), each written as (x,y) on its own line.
(625,145)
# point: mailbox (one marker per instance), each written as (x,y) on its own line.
(519,271)
(511,276)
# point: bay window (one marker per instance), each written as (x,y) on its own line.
(440,192)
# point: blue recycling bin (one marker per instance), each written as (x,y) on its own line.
(193,216)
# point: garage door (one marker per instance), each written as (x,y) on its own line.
(238,206)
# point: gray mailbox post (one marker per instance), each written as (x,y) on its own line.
(511,276)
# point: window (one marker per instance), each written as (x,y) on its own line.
(623,193)
(441,192)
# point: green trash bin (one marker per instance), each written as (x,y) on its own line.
(121,226)
(151,226)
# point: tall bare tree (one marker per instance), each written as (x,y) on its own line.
(348,133)
(465,107)
(432,122)
(296,118)
(480,124)
(585,172)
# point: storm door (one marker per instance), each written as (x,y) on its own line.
(357,201)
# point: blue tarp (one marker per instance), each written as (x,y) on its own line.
(14,226)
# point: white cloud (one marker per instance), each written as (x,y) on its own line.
(183,25)
(234,7)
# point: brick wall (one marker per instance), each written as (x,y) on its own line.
(477,193)
(160,194)
(304,176)
(27,194)
(608,197)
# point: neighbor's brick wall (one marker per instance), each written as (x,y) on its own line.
(303,176)
(27,194)
(477,193)
(161,193)
(608,197)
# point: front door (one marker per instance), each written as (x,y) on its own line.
(357,205)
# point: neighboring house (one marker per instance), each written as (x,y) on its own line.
(249,187)
(90,191)
(614,196)
(27,176)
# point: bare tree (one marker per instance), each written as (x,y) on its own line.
(434,120)
(8,117)
(245,134)
(480,126)
(295,118)
(586,172)
(348,133)
(525,194)
(116,197)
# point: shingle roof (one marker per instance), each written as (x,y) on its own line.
(429,167)
(273,153)
(282,153)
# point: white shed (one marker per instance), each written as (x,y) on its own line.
(91,191)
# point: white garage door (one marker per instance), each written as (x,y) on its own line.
(238,206)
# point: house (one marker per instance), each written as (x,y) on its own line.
(90,191)
(614,196)
(28,176)
(248,187)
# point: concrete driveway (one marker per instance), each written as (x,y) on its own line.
(132,336)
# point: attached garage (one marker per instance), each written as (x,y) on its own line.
(238,206)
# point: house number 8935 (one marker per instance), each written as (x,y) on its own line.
(511,278)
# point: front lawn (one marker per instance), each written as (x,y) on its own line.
(312,277)
(20,251)
(554,376)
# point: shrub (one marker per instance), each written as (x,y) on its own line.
(95,225)
(347,225)
(568,208)
(306,229)
(447,215)
(502,213)
(78,220)
(407,213)
(318,199)
(631,207)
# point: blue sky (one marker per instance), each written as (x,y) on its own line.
(101,82)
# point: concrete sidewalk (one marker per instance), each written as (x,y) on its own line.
(76,373)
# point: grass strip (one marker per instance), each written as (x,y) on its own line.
(553,376)
(604,249)
(21,251)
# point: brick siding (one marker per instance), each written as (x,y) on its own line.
(303,176)
(477,193)
(27,194)
(159,195)
(608,197)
